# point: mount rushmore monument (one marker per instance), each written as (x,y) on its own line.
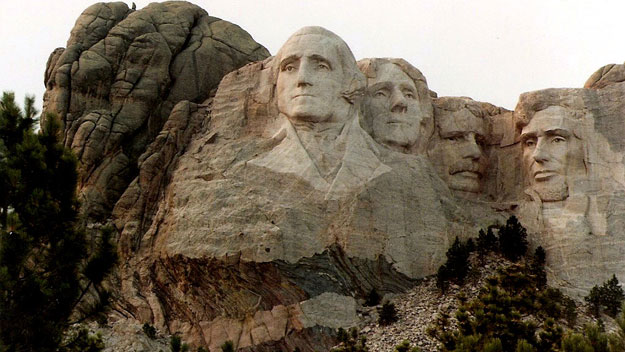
(258,198)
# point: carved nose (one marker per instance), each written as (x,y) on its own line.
(540,153)
(398,102)
(472,149)
(304,76)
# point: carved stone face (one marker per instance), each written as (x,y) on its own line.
(458,154)
(393,103)
(551,153)
(310,79)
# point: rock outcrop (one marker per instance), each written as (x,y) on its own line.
(121,74)
(258,199)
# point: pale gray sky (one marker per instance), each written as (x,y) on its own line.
(489,50)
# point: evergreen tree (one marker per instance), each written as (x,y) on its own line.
(457,265)
(608,296)
(388,314)
(43,252)
(513,239)
(486,242)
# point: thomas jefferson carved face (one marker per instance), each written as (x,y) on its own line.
(551,153)
(458,154)
(394,107)
(310,79)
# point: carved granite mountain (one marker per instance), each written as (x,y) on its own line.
(119,77)
(260,199)
(243,236)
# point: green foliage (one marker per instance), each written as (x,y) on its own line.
(511,313)
(405,346)
(80,340)
(487,242)
(42,247)
(201,349)
(457,266)
(608,296)
(149,331)
(388,314)
(227,346)
(176,345)
(597,337)
(617,340)
(524,346)
(538,267)
(513,239)
(575,342)
(373,298)
(350,341)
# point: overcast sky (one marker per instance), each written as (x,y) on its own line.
(489,50)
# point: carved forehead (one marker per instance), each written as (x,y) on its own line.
(551,119)
(389,72)
(461,121)
(310,45)
(320,41)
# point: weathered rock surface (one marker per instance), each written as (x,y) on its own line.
(579,217)
(223,240)
(120,75)
(261,206)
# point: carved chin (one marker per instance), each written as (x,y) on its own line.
(396,136)
(466,183)
(551,191)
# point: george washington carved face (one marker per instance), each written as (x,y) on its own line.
(316,72)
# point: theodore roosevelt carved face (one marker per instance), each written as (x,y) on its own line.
(315,69)
(458,151)
(551,153)
(398,107)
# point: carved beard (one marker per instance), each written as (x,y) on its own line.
(552,191)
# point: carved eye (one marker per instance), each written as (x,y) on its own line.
(455,138)
(380,93)
(323,66)
(409,95)
(558,139)
(289,68)
(530,143)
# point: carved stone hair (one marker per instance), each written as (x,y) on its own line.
(354,79)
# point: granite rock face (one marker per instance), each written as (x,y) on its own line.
(120,75)
(267,224)
(264,212)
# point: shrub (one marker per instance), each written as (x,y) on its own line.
(388,314)
(80,340)
(486,242)
(406,347)
(176,345)
(149,331)
(513,239)
(457,265)
(538,267)
(373,298)
(608,296)
(350,341)
(227,346)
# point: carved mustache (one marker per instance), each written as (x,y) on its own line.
(465,165)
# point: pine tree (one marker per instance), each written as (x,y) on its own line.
(513,239)
(43,253)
